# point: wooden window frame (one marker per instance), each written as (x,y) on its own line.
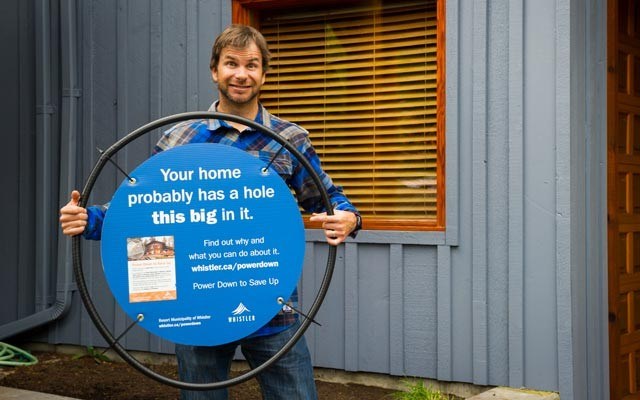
(247,12)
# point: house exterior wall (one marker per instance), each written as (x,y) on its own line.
(588,377)
(17,233)
(513,292)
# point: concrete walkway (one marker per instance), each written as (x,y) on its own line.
(505,393)
(11,394)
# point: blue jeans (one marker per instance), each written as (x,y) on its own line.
(289,378)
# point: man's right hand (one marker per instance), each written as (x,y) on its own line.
(73,218)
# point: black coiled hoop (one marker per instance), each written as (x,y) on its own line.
(77,258)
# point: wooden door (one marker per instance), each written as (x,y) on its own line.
(623,192)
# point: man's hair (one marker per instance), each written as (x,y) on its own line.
(240,37)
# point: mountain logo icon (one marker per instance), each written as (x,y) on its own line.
(240,309)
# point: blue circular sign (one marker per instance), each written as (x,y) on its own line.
(204,245)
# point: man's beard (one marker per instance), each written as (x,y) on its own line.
(225,93)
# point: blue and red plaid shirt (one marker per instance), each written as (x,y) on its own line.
(265,148)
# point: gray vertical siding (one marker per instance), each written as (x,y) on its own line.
(564,209)
(501,297)
(540,142)
(479,162)
(515,263)
(17,79)
(592,295)
(498,191)
(590,373)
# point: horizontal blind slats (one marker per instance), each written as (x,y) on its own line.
(363,83)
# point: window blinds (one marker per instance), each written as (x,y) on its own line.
(363,82)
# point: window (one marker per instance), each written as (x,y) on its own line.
(366,79)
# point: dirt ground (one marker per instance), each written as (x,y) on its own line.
(85,378)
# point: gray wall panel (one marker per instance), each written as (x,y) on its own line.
(135,85)
(396,310)
(212,18)
(26,128)
(497,191)
(373,308)
(452,121)
(328,351)
(101,102)
(68,329)
(479,227)
(10,73)
(351,315)
(444,313)
(592,305)
(516,204)
(541,369)
(461,257)
(569,183)
(420,311)
(578,222)
(174,57)
(308,280)
(134,88)
(17,79)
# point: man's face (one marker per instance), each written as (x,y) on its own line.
(239,74)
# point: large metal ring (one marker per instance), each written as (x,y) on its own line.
(77,258)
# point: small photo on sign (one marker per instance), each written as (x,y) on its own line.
(151,269)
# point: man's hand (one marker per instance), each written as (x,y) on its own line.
(73,218)
(337,226)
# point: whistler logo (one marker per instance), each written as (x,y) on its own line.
(240,309)
(240,314)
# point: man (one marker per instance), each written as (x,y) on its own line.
(239,62)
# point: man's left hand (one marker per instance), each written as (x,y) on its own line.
(337,226)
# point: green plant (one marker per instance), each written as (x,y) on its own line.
(418,391)
(97,356)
